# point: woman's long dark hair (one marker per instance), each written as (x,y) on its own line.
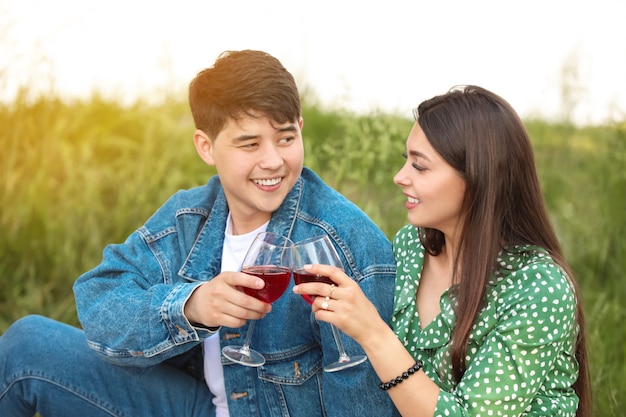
(480,135)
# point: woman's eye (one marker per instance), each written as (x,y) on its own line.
(413,164)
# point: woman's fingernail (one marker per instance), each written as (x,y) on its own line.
(307,266)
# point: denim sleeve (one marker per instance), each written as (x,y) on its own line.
(131,311)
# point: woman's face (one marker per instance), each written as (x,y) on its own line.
(434,189)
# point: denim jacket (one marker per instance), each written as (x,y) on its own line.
(131,305)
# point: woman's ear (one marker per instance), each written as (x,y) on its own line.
(204,146)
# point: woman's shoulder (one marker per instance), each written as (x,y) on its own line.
(407,236)
(531,270)
(533,292)
(408,249)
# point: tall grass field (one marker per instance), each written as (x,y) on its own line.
(77,175)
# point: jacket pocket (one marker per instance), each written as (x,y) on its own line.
(292,383)
(293,367)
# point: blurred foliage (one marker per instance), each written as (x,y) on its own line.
(77,175)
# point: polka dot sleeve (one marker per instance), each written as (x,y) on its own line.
(520,351)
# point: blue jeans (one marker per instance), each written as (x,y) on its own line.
(47,367)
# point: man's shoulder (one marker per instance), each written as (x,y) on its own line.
(319,197)
(326,207)
(197,200)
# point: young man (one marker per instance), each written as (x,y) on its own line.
(158,309)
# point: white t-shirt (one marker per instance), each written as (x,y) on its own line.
(233,252)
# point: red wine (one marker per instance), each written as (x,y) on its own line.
(301,277)
(276,281)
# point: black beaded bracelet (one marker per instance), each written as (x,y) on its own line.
(387,385)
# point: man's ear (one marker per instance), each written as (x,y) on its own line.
(301,123)
(204,146)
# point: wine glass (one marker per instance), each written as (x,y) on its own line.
(269,258)
(319,250)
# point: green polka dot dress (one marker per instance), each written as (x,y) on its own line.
(520,359)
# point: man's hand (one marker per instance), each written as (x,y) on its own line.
(220,302)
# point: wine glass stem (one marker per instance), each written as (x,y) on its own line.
(245,349)
(343,356)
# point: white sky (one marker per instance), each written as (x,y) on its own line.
(362,55)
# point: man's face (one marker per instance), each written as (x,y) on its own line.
(258,163)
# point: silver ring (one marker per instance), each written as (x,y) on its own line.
(325,305)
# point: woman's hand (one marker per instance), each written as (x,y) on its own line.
(343,304)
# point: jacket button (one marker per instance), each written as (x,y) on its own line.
(297,373)
(182,332)
(237,395)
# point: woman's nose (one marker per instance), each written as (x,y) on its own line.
(400,177)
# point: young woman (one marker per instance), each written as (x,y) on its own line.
(487,315)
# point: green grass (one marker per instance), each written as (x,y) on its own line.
(77,175)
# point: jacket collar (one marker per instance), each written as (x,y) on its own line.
(204,260)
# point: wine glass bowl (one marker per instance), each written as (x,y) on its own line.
(276,281)
(301,276)
(270,257)
(320,250)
